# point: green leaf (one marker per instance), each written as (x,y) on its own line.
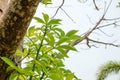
(44,67)
(46,2)
(51,38)
(56,74)
(62,40)
(70,76)
(9,69)
(31,30)
(19,53)
(38,19)
(62,51)
(12,65)
(46,17)
(27,71)
(59,62)
(9,62)
(62,33)
(54,21)
(13,76)
(22,77)
(67,47)
(72,32)
(45,48)
(75,37)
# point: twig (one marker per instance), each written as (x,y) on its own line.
(23,58)
(102,26)
(94,28)
(38,50)
(96,7)
(58,8)
(68,15)
(104,43)
(112,18)
(105,33)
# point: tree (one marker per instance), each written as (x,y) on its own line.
(14,22)
(108,68)
(15,18)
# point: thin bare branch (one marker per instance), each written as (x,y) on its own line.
(105,33)
(96,7)
(104,43)
(106,25)
(94,28)
(112,18)
(58,8)
(68,15)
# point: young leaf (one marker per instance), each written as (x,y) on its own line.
(62,33)
(51,38)
(9,62)
(46,17)
(59,62)
(54,21)
(31,30)
(19,53)
(38,19)
(68,47)
(62,51)
(13,76)
(27,71)
(12,64)
(46,2)
(75,37)
(56,74)
(9,69)
(62,40)
(70,76)
(72,32)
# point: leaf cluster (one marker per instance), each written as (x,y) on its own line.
(108,68)
(45,48)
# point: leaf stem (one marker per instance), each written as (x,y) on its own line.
(33,67)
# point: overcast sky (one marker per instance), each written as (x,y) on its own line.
(87,61)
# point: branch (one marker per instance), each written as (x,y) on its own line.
(113,23)
(58,8)
(94,28)
(104,43)
(85,36)
(96,7)
(42,76)
(13,26)
(112,18)
(68,15)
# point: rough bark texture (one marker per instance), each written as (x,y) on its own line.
(14,22)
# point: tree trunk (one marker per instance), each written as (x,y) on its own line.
(15,17)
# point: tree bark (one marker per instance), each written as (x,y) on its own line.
(14,21)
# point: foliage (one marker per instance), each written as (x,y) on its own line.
(45,48)
(118,5)
(106,69)
(46,2)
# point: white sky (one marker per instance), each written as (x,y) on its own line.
(86,62)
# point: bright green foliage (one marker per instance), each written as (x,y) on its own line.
(45,48)
(108,68)
(10,63)
(46,2)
